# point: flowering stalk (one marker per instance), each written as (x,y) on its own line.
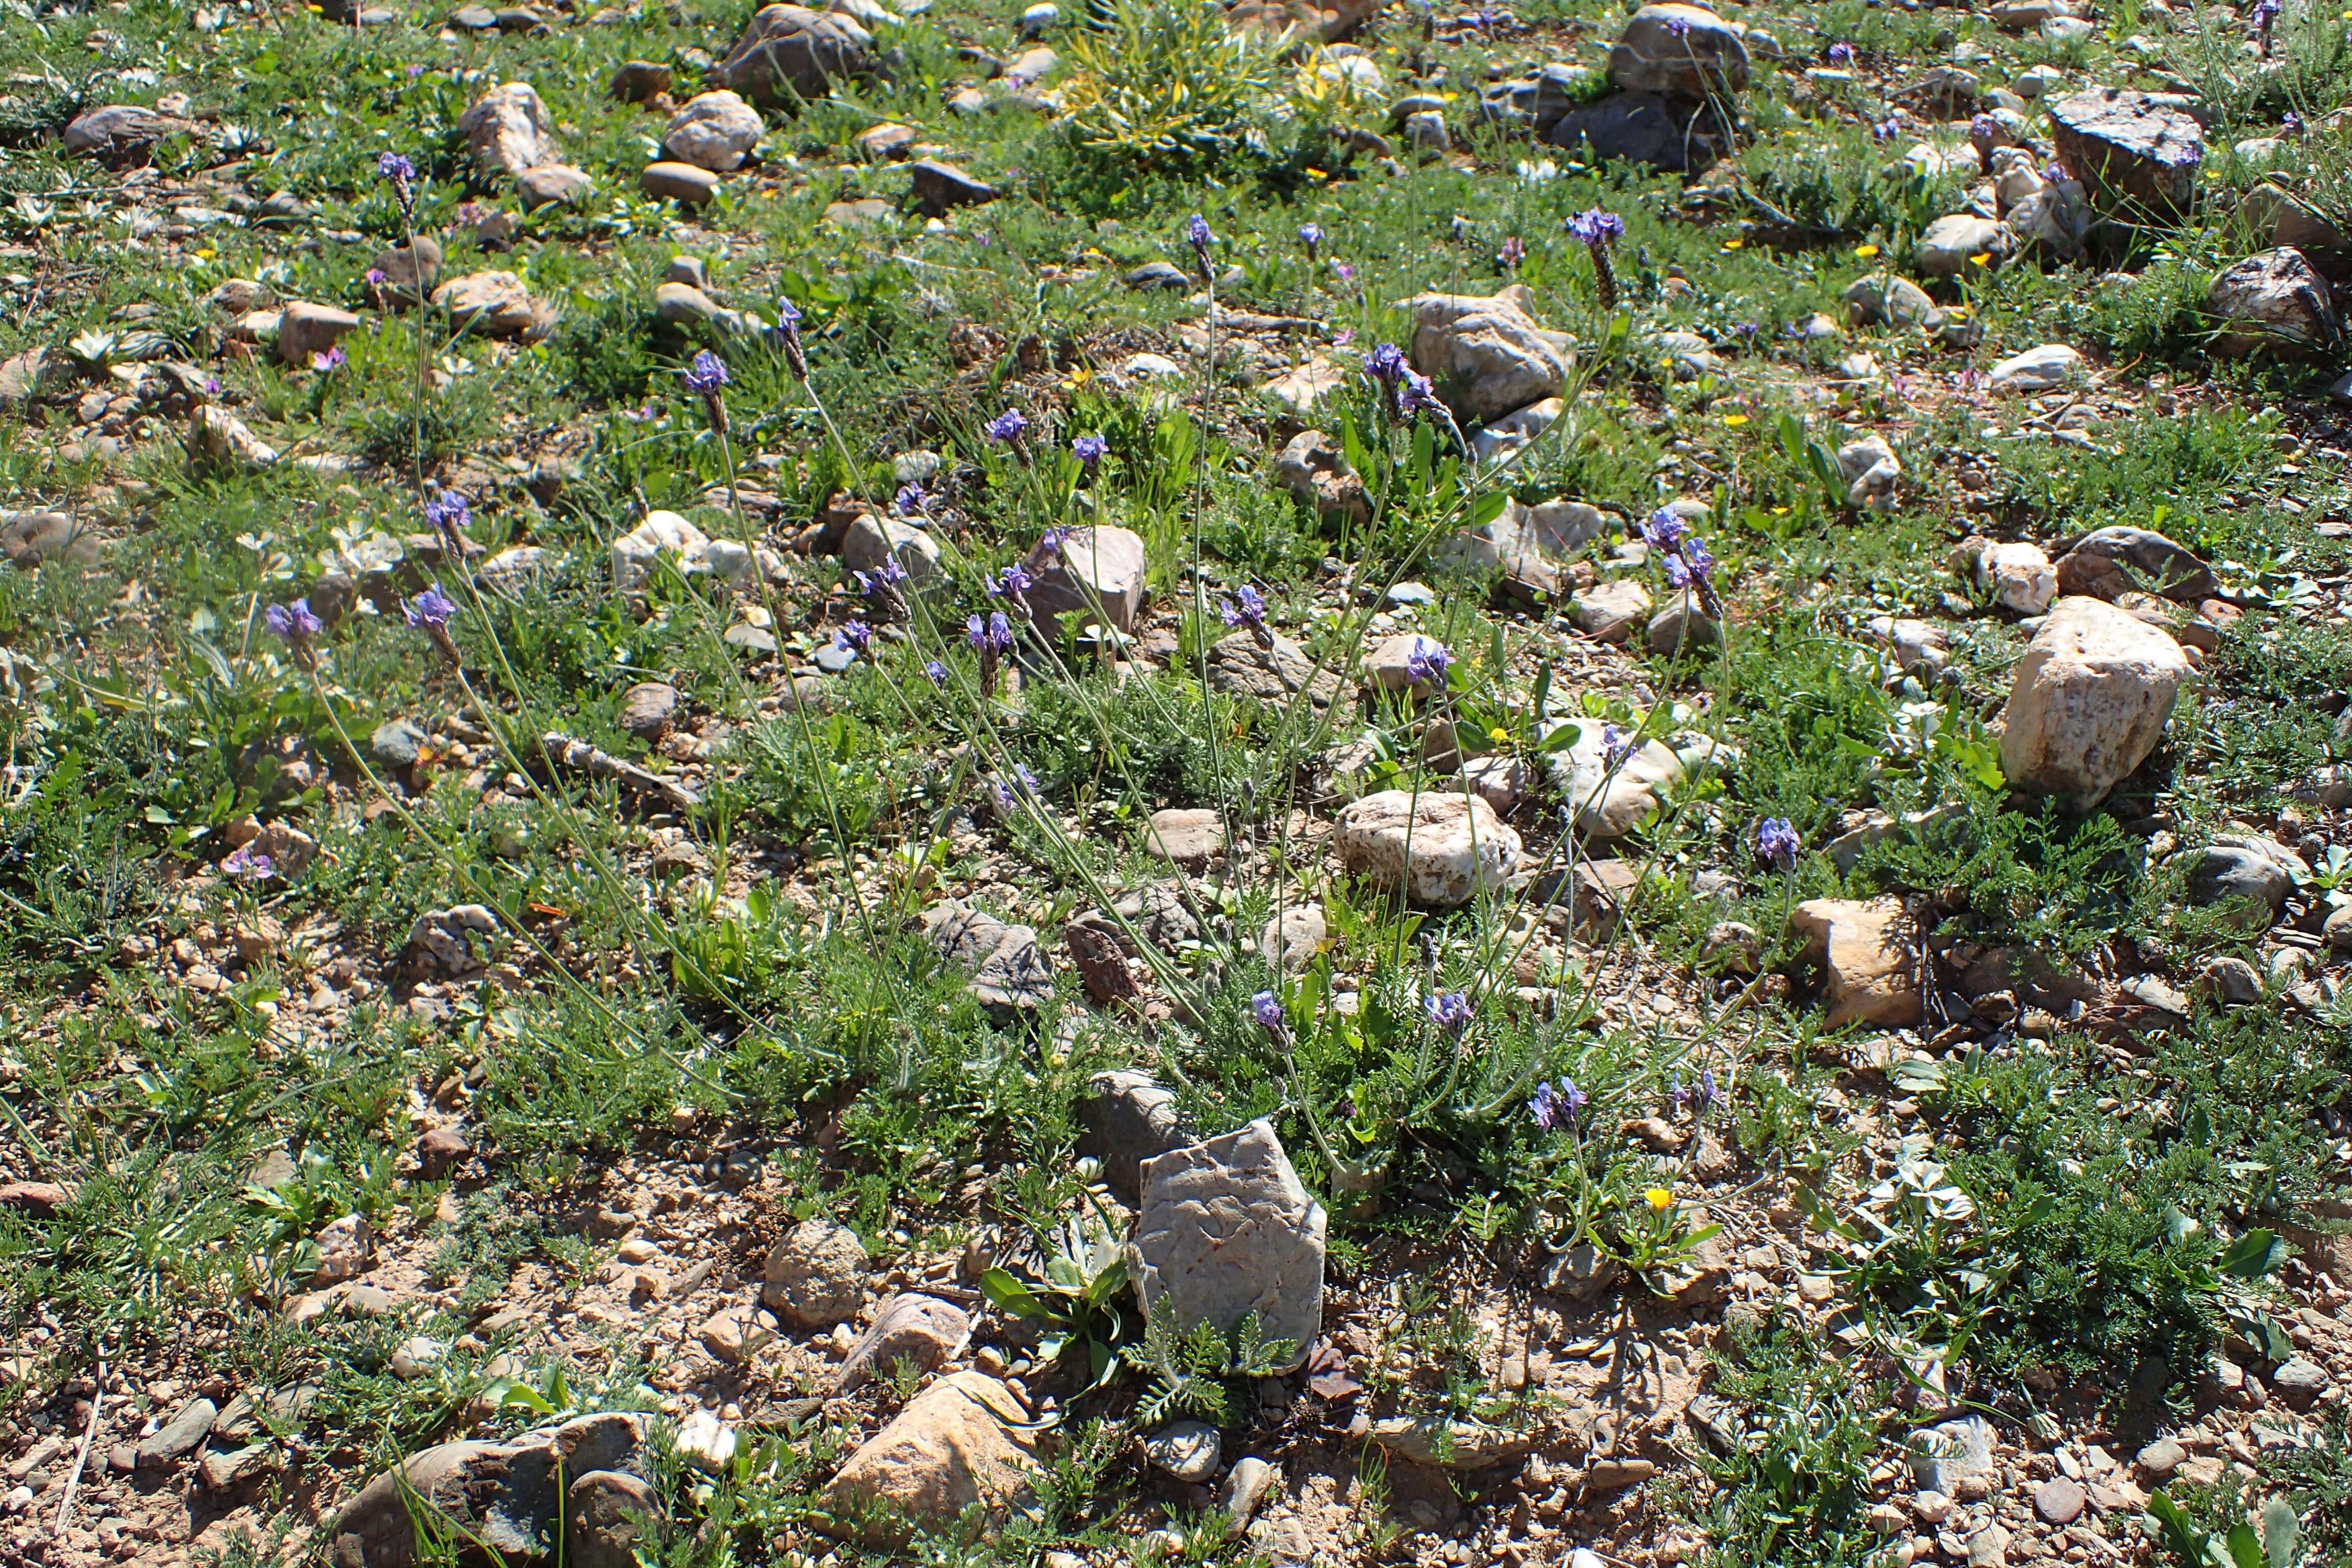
(787,331)
(1596,231)
(297,625)
(704,378)
(429,613)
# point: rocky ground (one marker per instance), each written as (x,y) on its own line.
(1158,781)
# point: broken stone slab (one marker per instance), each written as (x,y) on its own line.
(178,1437)
(1608,612)
(1675,134)
(920,1331)
(1442,851)
(440,941)
(31,538)
(504,1495)
(562,751)
(1871,470)
(1485,353)
(2040,369)
(1128,1117)
(2111,562)
(2020,575)
(1885,299)
(216,436)
(1009,972)
(1441,1444)
(1313,470)
(1094,572)
(1870,966)
(2089,701)
(2273,300)
(964,1442)
(119,132)
(789,52)
(1189,836)
(714,130)
(611,1514)
(1188,1451)
(1611,799)
(1947,247)
(2136,153)
(1225,1230)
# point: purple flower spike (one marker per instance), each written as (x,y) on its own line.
(1596,229)
(1428,662)
(1777,842)
(855,636)
(1311,235)
(1266,1008)
(1664,529)
(912,499)
(1247,609)
(394,167)
(707,375)
(431,610)
(293,622)
(1008,427)
(1386,364)
(1014,580)
(1841,54)
(1089,450)
(1449,1010)
(247,864)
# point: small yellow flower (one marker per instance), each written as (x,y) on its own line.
(1735,420)
(1865,251)
(1317,175)
(1499,735)
(1779,512)
(1733,244)
(1659,1199)
(1981,258)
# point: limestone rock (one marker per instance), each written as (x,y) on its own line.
(1292,939)
(409,272)
(2274,301)
(611,1513)
(2018,575)
(1947,247)
(2246,869)
(1188,1451)
(1128,1117)
(1871,470)
(2089,701)
(1608,612)
(2135,152)
(1315,470)
(962,1442)
(873,539)
(666,181)
(1677,135)
(1485,353)
(789,51)
(647,708)
(1189,836)
(553,185)
(714,130)
(304,328)
(922,1330)
(119,132)
(508,130)
(2109,563)
(1444,849)
(1009,972)
(216,436)
(494,304)
(1436,1442)
(1095,573)
(1609,799)
(639,81)
(1325,21)
(2280,219)
(815,1276)
(1883,299)
(179,1436)
(1272,672)
(636,552)
(2036,369)
(1685,50)
(1226,1229)
(503,1495)
(1870,968)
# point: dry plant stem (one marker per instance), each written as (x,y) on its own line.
(81,1454)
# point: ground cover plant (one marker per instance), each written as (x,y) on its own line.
(1154,782)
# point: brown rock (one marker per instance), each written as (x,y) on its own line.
(1101,966)
(917,1329)
(1872,973)
(960,1443)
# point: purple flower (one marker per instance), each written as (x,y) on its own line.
(1266,1008)
(1596,229)
(447,514)
(1013,579)
(1386,364)
(1840,54)
(293,622)
(1514,251)
(1695,563)
(1708,1095)
(1544,1110)
(1027,779)
(912,499)
(1449,1010)
(1050,542)
(1664,529)
(394,167)
(1197,234)
(1247,607)
(1414,394)
(1572,1098)
(888,575)
(1679,28)
(2265,12)
(431,610)
(2291,123)
(1887,129)
(2056,174)
(1344,271)
(1777,842)
(992,635)
(1616,744)
(936,672)
(1089,450)
(1428,663)
(377,276)
(334,359)
(855,636)
(248,865)
(1311,235)
(2187,155)
(707,375)
(1008,427)
(787,332)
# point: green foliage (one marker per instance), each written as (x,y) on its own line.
(1077,1304)
(1794,1486)
(1165,84)
(1194,1372)
(2279,1544)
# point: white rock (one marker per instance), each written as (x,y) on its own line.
(1094,574)
(1946,248)
(714,130)
(1502,441)
(1608,800)
(1487,351)
(215,435)
(2090,700)
(2035,370)
(1225,1230)
(1444,849)
(635,552)
(872,539)
(2018,575)
(2276,301)
(508,130)
(1871,469)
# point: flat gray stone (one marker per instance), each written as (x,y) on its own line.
(1128,1117)
(1188,1450)
(180,1435)
(1227,1230)
(922,1330)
